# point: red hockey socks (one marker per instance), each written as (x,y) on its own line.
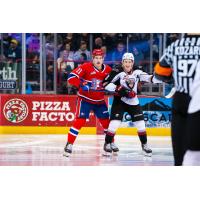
(74,130)
(104,123)
(142,136)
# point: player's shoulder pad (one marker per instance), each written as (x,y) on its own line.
(138,71)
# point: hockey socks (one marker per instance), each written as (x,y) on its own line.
(104,123)
(74,130)
(109,137)
(143,137)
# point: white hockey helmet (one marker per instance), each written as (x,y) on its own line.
(128,56)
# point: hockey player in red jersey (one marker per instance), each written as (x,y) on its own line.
(87,78)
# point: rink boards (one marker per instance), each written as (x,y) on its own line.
(84,130)
(54,114)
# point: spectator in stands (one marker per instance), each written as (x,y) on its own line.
(78,56)
(81,37)
(134,37)
(66,57)
(50,46)
(172,37)
(33,59)
(50,77)
(138,56)
(49,50)
(33,43)
(16,36)
(83,57)
(107,57)
(109,40)
(98,43)
(155,47)
(72,40)
(13,53)
(33,70)
(118,53)
(121,37)
(140,46)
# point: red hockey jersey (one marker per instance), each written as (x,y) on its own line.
(88,74)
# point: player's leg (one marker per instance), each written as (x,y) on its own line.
(178,127)
(138,119)
(103,116)
(115,121)
(109,146)
(82,113)
(140,125)
(101,112)
(192,155)
(116,116)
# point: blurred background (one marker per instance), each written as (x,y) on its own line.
(39,63)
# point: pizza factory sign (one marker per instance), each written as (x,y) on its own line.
(39,110)
(15,110)
(51,111)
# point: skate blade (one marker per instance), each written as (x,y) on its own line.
(66,154)
(107,154)
(115,153)
(147,154)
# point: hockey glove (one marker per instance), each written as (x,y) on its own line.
(85,86)
(166,79)
(131,94)
(123,92)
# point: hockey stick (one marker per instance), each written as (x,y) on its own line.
(168,96)
(171,93)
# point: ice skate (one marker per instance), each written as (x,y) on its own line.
(107,149)
(146,150)
(114,148)
(68,150)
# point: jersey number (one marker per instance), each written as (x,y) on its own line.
(186,68)
(79,70)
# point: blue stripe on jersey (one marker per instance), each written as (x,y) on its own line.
(73,131)
(71,76)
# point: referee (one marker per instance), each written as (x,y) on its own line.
(180,61)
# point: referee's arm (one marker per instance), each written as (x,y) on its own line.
(163,69)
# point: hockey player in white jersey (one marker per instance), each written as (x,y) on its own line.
(123,82)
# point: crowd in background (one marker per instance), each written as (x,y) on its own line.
(74,49)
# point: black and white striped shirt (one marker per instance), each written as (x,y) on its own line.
(184,57)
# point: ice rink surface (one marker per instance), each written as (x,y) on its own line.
(47,150)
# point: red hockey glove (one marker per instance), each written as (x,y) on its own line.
(131,94)
(124,92)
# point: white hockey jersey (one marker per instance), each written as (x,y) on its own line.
(130,81)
